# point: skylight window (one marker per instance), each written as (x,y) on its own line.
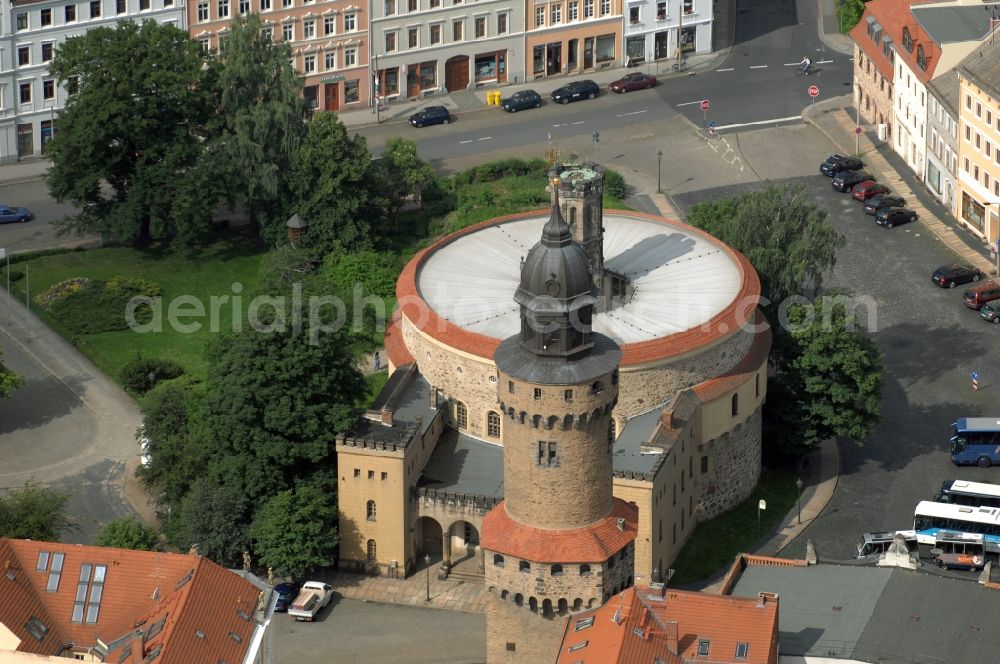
(43,561)
(578,646)
(55,572)
(583,623)
(89,592)
(703,647)
(36,628)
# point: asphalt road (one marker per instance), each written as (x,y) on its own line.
(931,343)
(40,232)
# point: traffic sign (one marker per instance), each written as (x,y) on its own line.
(711,124)
(704,104)
(813,91)
(975,375)
(857,130)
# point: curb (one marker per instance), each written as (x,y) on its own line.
(23,180)
(843,50)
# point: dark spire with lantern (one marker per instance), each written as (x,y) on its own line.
(556,294)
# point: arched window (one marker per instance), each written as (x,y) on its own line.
(572,216)
(372,551)
(371,510)
(563,606)
(736,405)
(524,566)
(556,570)
(497,560)
(461,416)
(519,599)
(533,604)
(493,425)
(584,570)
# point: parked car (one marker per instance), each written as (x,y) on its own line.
(575,91)
(845,180)
(14,215)
(947,276)
(991,312)
(521,100)
(890,217)
(979,295)
(876,203)
(430,115)
(287,592)
(836,163)
(313,596)
(634,81)
(862,191)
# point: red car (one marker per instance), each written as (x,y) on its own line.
(864,190)
(634,81)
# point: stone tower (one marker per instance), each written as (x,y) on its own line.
(559,542)
(580,198)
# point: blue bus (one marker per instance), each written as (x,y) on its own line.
(931,519)
(972,494)
(975,440)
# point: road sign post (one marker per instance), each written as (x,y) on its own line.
(975,381)
(711,127)
(857,140)
(704,107)
(813,92)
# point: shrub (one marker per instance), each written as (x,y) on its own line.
(376,272)
(16,275)
(614,184)
(86,306)
(136,374)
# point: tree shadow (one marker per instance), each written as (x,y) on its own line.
(756,18)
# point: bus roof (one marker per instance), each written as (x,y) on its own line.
(985,515)
(978,424)
(972,488)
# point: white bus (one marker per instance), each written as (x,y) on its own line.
(931,518)
(973,494)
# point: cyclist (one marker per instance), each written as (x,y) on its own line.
(806,65)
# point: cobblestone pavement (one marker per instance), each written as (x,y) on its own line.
(466,593)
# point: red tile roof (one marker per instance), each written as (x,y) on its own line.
(894,15)
(590,544)
(395,347)
(199,602)
(639,624)
(740,310)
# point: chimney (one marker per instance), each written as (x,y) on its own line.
(765,597)
(386,414)
(670,633)
(621,524)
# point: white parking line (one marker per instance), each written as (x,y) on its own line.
(485,138)
(760,122)
(758,66)
(622,115)
(464,142)
(689,103)
(576,123)
(727,69)
(792,64)
(823,62)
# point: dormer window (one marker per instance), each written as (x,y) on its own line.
(907,40)
(921,57)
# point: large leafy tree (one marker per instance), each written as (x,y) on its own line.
(129,137)
(177,455)
(33,512)
(403,172)
(833,383)
(334,188)
(295,530)
(260,122)
(126,532)
(214,518)
(790,242)
(9,381)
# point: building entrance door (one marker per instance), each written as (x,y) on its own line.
(572,58)
(25,141)
(412,82)
(588,53)
(456,73)
(331,97)
(553,58)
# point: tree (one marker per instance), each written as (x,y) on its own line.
(260,122)
(214,518)
(9,381)
(126,532)
(296,530)
(849,13)
(790,242)
(34,512)
(334,187)
(130,131)
(833,386)
(403,172)
(177,455)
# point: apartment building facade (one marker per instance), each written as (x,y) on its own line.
(979,141)
(423,47)
(942,138)
(572,36)
(329,41)
(31,31)
(875,63)
(653,29)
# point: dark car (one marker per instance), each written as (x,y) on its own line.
(862,191)
(876,203)
(947,276)
(837,164)
(977,296)
(991,312)
(585,89)
(521,100)
(431,115)
(845,180)
(634,81)
(14,215)
(890,217)
(287,593)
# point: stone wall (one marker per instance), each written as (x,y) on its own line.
(734,467)
(516,635)
(579,589)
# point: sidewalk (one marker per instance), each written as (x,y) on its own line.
(452,594)
(26,170)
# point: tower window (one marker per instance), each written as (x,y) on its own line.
(584,570)
(510,386)
(557,570)
(756,385)
(547,453)
(704,465)
(568,395)
(612,432)
(596,387)
(372,551)
(493,425)
(498,560)
(736,405)
(538,393)
(524,566)
(461,416)
(370,509)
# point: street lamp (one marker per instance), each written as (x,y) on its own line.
(798,485)
(427,564)
(659,161)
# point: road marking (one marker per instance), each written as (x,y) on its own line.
(485,138)
(727,69)
(760,122)
(823,62)
(792,64)
(576,123)
(464,142)
(622,115)
(688,103)
(758,66)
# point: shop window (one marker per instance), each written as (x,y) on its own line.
(605,48)
(352,88)
(486,66)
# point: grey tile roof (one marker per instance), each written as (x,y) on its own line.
(637,431)
(982,67)
(463,464)
(953,24)
(946,89)
(409,396)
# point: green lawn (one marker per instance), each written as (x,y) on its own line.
(376,382)
(713,545)
(210,271)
